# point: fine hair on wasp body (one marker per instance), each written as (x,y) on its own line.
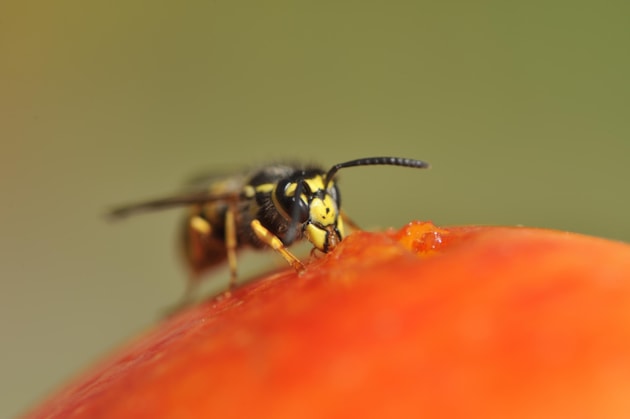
(273,206)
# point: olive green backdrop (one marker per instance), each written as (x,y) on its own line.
(521,107)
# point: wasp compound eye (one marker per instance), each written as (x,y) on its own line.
(288,195)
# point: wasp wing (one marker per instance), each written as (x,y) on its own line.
(185,199)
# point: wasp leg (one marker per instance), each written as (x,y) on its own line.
(276,244)
(231,244)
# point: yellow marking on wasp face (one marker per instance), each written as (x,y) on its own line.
(323,211)
(316,183)
(324,238)
(316,236)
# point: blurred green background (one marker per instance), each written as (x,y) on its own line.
(521,107)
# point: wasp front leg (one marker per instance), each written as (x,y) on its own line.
(276,244)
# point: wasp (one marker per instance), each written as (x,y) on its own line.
(271,207)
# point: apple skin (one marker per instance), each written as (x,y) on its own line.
(471,322)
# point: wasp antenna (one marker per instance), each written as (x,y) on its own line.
(369,161)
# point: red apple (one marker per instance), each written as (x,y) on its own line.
(471,322)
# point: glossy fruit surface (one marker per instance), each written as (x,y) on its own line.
(428,322)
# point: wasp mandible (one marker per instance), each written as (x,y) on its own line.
(273,206)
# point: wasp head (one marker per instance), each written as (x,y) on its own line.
(311,204)
(309,200)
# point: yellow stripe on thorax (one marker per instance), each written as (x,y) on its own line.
(265,187)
